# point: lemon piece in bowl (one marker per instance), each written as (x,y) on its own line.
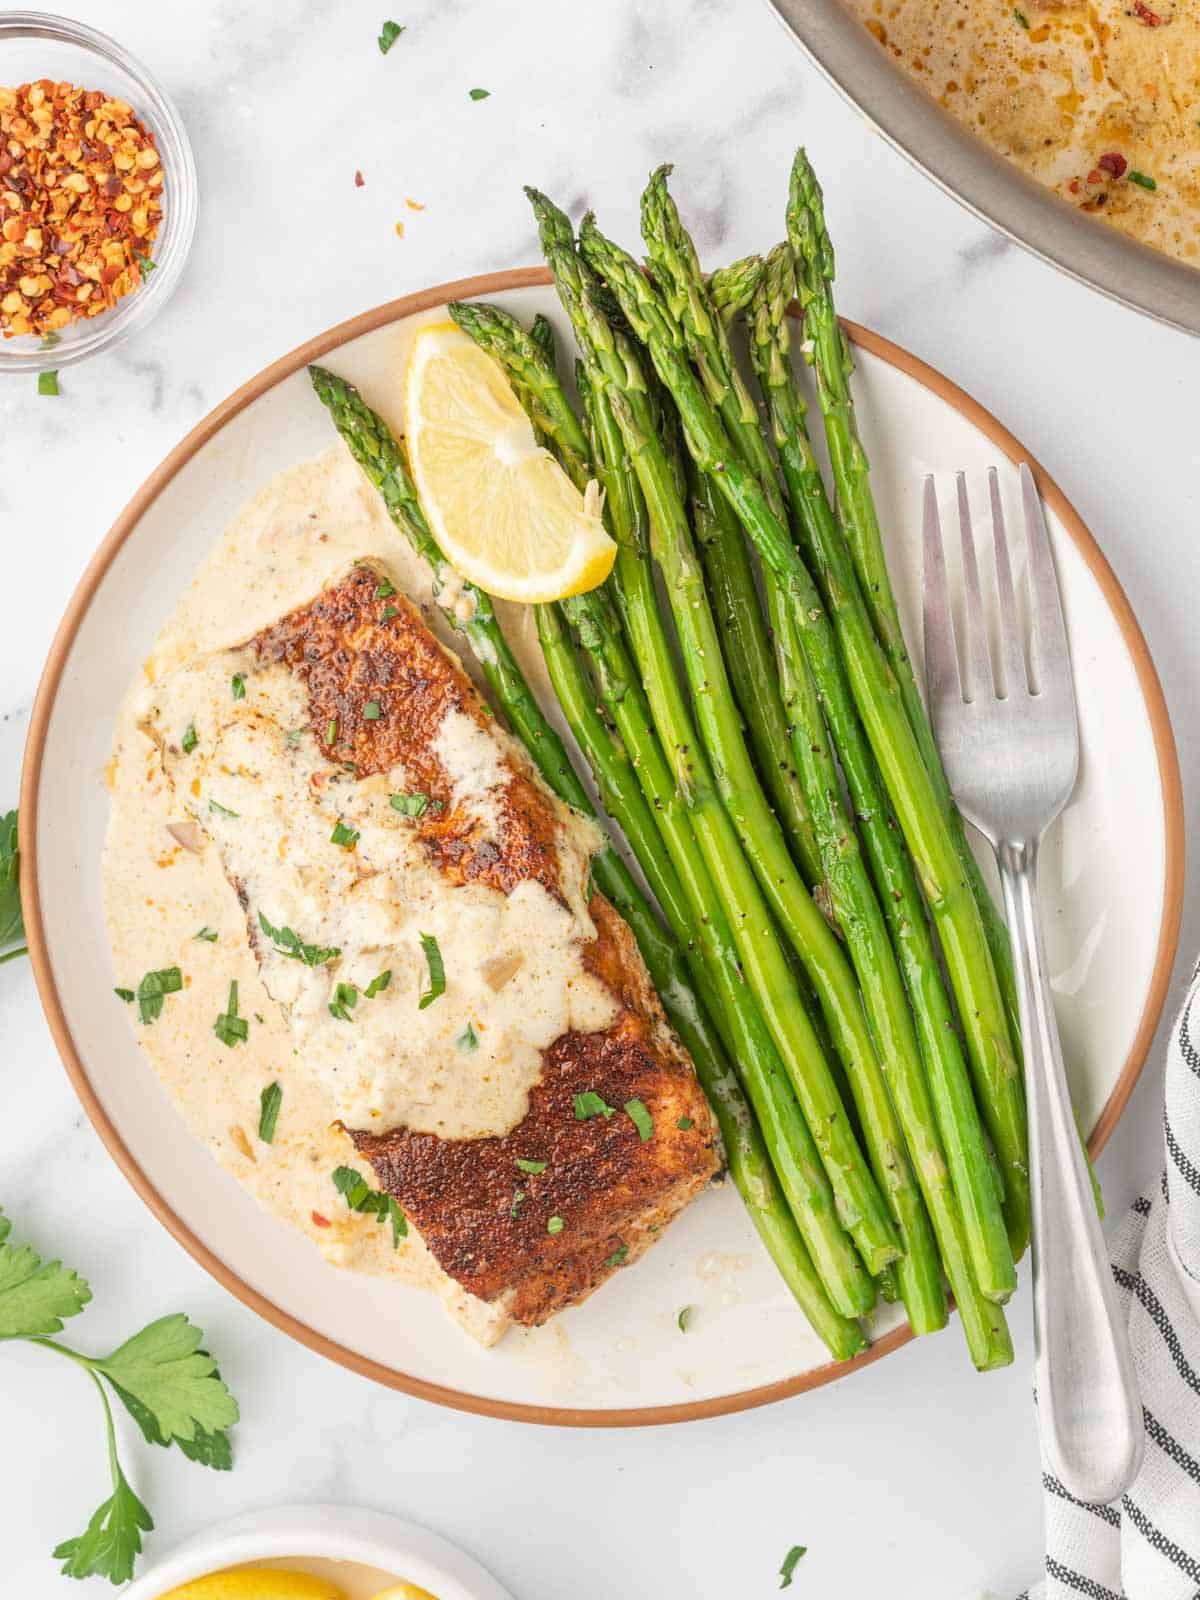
(504,512)
(404,1591)
(262,1584)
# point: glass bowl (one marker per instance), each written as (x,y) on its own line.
(34,44)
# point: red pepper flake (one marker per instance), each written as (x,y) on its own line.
(1144,14)
(1074,186)
(1114,163)
(321,1222)
(1095,176)
(359,180)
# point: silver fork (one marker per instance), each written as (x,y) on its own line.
(1011,753)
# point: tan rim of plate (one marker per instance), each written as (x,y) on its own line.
(486,287)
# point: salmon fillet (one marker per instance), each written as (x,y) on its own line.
(598,1181)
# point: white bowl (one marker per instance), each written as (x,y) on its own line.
(331,1533)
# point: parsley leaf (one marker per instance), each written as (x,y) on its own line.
(378,984)
(385,589)
(345,998)
(1143,180)
(789,1564)
(144,262)
(437,972)
(12,924)
(518,1200)
(164,1368)
(47,382)
(618,1256)
(238,686)
(209,935)
(359,1196)
(35,1295)
(685,1124)
(372,711)
(410,805)
(289,943)
(229,1027)
(388,35)
(1021,19)
(468,1039)
(641,1119)
(480,94)
(684,1319)
(112,1540)
(555,1225)
(219,810)
(346,837)
(189,741)
(589,1104)
(526,1165)
(125,994)
(153,987)
(268,1115)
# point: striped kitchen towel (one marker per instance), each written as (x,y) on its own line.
(1147,1547)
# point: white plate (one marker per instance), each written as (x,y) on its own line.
(1112,877)
(371,1539)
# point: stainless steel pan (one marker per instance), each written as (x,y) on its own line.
(988,185)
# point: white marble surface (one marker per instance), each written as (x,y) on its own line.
(916,1467)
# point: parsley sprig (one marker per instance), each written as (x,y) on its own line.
(12,924)
(289,943)
(359,1196)
(169,1385)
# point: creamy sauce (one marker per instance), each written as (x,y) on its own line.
(1062,87)
(514,979)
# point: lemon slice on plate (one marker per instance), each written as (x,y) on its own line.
(261,1584)
(504,512)
(404,1591)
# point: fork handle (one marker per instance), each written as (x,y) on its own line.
(1089,1410)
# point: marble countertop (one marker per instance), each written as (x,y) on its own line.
(916,1465)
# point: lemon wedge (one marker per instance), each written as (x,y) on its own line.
(262,1584)
(504,512)
(404,1591)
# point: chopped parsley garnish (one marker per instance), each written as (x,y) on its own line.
(237,685)
(410,805)
(641,1119)
(189,741)
(378,984)
(144,262)
(517,1201)
(50,341)
(153,987)
(209,935)
(269,1103)
(684,1319)
(345,998)
(12,921)
(1021,19)
(589,1104)
(372,711)
(685,1124)
(386,588)
(789,1564)
(480,94)
(220,810)
(617,1256)
(124,994)
(229,1027)
(468,1039)
(289,943)
(525,1165)
(388,35)
(554,1225)
(47,382)
(1143,180)
(437,971)
(331,731)
(346,837)
(388,613)
(359,1196)
(293,736)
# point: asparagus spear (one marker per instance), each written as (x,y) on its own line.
(828,352)
(913,797)
(948,1077)
(381,458)
(730,287)
(614,369)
